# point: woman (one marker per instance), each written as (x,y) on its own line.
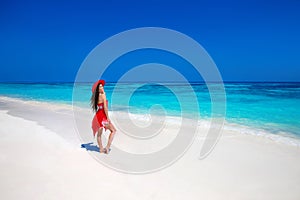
(101,119)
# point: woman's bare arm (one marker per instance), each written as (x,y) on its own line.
(105,106)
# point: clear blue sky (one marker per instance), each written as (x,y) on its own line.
(248,40)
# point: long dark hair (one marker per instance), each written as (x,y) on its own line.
(94,99)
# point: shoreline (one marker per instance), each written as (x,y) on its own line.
(67,109)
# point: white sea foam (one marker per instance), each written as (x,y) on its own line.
(279,136)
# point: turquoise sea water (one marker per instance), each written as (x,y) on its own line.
(274,107)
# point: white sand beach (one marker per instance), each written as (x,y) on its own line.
(41,158)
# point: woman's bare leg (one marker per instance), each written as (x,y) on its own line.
(99,140)
(111,136)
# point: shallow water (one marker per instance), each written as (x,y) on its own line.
(274,107)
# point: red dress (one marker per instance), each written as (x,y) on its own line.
(99,119)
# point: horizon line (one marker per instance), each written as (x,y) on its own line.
(128,82)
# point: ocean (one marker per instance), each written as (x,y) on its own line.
(260,107)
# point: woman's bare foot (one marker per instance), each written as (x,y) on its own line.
(107,150)
(102,150)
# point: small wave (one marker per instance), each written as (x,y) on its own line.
(277,136)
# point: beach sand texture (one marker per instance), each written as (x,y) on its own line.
(41,158)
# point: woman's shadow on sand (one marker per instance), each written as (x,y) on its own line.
(90,147)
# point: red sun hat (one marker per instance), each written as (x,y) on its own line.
(102,82)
